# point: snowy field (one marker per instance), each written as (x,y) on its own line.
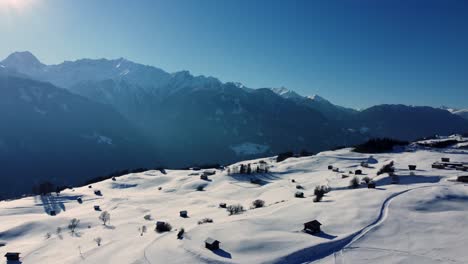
(420,220)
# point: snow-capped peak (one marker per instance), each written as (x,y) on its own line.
(317,98)
(285,93)
(22,59)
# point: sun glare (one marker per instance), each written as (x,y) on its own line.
(14,4)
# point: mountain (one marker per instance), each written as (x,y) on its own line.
(50,134)
(460,112)
(320,104)
(195,119)
(409,122)
(199,119)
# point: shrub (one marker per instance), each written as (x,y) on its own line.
(235,209)
(148,217)
(73,225)
(142,230)
(98,241)
(379,145)
(354,183)
(283,156)
(320,191)
(104,217)
(387,168)
(180,234)
(164,227)
(258,203)
(366,179)
(205,220)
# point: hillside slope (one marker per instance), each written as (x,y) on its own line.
(388,224)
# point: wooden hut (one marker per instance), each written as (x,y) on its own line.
(204,177)
(183,214)
(222,205)
(97,208)
(212,244)
(312,226)
(299,195)
(52,213)
(462,179)
(330,167)
(445,159)
(412,167)
(358,172)
(12,256)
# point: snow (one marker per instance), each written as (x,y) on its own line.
(421,220)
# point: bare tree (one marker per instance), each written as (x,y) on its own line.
(73,225)
(98,241)
(142,230)
(104,217)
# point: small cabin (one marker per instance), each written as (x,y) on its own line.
(79,200)
(209,172)
(437,165)
(330,167)
(462,179)
(204,177)
(12,256)
(52,213)
(312,226)
(183,214)
(97,192)
(212,244)
(412,167)
(358,172)
(371,185)
(299,195)
(336,169)
(445,159)
(222,205)
(97,208)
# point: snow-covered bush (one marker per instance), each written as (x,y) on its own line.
(73,225)
(354,183)
(104,217)
(235,209)
(205,220)
(163,227)
(148,217)
(181,233)
(387,168)
(258,203)
(98,241)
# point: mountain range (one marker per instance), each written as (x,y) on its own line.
(155,118)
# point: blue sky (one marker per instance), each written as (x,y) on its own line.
(355,53)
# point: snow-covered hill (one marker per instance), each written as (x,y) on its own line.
(420,220)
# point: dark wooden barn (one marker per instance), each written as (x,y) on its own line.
(358,172)
(97,208)
(299,195)
(412,167)
(330,167)
(312,226)
(445,159)
(212,244)
(12,256)
(183,214)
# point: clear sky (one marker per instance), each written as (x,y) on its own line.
(355,53)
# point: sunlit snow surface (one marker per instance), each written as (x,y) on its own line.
(421,220)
